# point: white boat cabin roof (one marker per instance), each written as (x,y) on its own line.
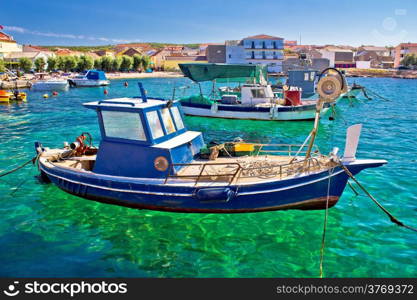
(135,102)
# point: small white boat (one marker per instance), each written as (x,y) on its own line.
(91,78)
(45,83)
(50,85)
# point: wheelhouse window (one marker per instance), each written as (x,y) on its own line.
(154,124)
(167,120)
(124,125)
(258,93)
(177,117)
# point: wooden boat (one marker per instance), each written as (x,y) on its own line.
(148,159)
(7,96)
(253,101)
(90,79)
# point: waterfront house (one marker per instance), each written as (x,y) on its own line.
(67,52)
(380,51)
(265,49)
(8,45)
(12,58)
(216,53)
(102,53)
(339,57)
(131,51)
(375,60)
(258,49)
(402,50)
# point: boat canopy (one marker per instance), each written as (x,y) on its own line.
(96,75)
(199,72)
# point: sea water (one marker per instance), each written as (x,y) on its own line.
(47,232)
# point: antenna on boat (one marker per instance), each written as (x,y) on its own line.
(142,92)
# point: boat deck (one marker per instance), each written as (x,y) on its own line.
(249,169)
(222,170)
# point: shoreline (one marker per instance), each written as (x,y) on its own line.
(137,75)
(382,73)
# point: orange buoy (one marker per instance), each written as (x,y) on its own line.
(54,93)
(106,92)
(126,84)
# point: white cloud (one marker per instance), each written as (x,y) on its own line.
(66,36)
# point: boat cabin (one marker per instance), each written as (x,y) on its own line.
(93,75)
(142,137)
(304,79)
(253,94)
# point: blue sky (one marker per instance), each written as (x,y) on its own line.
(95,22)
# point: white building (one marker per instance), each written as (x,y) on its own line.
(259,49)
(235,53)
(338,57)
(8,45)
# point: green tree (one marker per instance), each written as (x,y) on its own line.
(127,63)
(25,64)
(409,60)
(40,64)
(84,63)
(97,64)
(106,63)
(146,61)
(70,63)
(2,67)
(137,62)
(116,63)
(52,63)
(60,62)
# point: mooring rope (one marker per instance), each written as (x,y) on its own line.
(391,217)
(32,160)
(365,91)
(326,214)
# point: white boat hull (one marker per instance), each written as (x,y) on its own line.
(253,115)
(50,86)
(89,83)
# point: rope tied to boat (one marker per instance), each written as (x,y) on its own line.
(32,160)
(391,217)
(326,215)
(365,92)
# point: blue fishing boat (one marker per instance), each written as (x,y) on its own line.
(148,159)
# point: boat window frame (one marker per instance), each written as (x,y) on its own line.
(161,122)
(173,118)
(119,139)
(166,136)
(143,118)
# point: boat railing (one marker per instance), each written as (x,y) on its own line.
(212,171)
(283,149)
(232,172)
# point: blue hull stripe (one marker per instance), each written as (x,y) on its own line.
(189,195)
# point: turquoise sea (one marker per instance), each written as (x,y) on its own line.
(46,232)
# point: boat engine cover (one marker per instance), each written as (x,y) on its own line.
(215,194)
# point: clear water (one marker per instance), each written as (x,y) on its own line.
(46,232)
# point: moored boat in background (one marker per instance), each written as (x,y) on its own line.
(7,96)
(253,101)
(49,84)
(90,79)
